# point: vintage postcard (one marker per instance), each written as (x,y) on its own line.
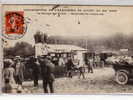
(66,49)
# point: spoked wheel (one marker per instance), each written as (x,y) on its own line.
(121,77)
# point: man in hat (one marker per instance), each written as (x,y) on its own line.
(36,71)
(81,68)
(19,69)
(47,70)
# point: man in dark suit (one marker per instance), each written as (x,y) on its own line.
(70,67)
(36,71)
(47,70)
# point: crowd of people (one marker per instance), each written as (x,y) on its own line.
(44,66)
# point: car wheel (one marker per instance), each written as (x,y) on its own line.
(122,77)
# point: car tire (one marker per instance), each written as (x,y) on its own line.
(122,77)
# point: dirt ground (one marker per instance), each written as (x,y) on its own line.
(101,81)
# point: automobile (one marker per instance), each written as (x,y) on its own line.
(123,73)
(123,66)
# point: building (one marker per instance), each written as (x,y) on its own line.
(44,49)
(78,52)
(65,48)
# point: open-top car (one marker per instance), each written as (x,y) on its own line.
(123,72)
(123,66)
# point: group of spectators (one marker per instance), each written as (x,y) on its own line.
(44,66)
(71,65)
(13,73)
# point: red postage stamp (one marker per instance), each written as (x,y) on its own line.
(14,22)
(15,26)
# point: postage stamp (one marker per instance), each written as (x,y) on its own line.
(15,26)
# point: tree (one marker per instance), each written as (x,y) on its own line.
(20,49)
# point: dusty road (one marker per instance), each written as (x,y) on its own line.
(101,81)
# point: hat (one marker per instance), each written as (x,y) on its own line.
(49,57)
(17,58)
(43,56)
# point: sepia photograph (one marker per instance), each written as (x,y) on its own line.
(67,49)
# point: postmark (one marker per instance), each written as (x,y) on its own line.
(15,26)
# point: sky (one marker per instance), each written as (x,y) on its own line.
(92,26)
